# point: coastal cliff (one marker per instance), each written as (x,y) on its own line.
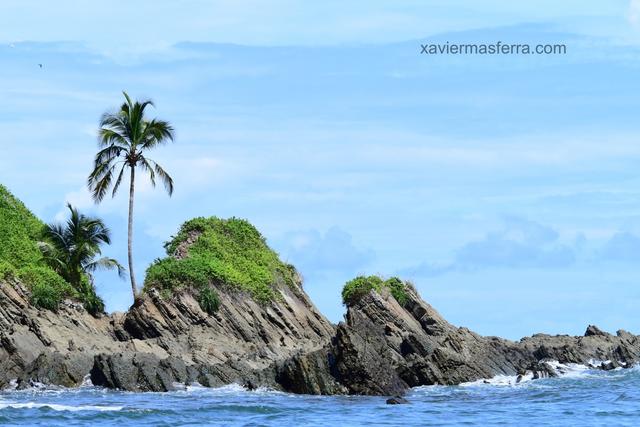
(222,308)
(157,343)
(384,347)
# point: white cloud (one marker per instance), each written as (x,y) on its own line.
(634,12)
(519,243)
(80,199)
(151,25)
(319,253)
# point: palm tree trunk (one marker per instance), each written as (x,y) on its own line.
(130,237)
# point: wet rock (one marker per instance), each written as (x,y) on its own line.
(139,372)
(397,400)
(310,373)
(381,348)
(54,368)
(542,370)
(363,361)
(159,341)
(608,365)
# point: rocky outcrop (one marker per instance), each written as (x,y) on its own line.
(158,342)
(140,372)
(40,346)
(381,348)
(239,343)
(397,400)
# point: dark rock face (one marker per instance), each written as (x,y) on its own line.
(593,330)
(310,373)
(362,356)
(381,348)
(397,400)
(54,368)
(140,372)
(35,345)
(158,343)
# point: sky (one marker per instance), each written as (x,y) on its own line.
(505,187)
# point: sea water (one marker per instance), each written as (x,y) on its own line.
(580,397)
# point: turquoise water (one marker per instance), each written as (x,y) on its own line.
(584,397)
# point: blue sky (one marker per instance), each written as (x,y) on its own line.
(505,187)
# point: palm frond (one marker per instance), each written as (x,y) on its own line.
(167,181)
(106,263)
(52,256)
(138,121)
(100,180)
(71,248)
(118,123)
(56,234)
(156,132)
(113,141)
(116,185)
(148,167)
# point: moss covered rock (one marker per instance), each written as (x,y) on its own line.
(21,259)
(209,253)
(360,286)
(20,231)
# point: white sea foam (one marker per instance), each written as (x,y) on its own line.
(86,381)
(501,380)
(57,407)
(226,390)
(563,370)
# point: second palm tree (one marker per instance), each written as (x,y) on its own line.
(125,137)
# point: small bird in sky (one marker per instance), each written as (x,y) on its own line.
(40,65)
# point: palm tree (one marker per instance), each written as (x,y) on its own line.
(71,249)
(124,138)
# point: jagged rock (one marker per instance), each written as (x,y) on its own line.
(593,330)
(310,373)
(382,347)
(140,372)
(148,347)
(397,400)
(55,368)
(542,370)
(363,360)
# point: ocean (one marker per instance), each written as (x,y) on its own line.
(581,397)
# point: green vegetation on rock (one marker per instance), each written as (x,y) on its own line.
(19,232)
(209,300)
(360,286)
(48,289)
(22,260)
(218,252)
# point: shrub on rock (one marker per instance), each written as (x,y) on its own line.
(214,252)
(360,286)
